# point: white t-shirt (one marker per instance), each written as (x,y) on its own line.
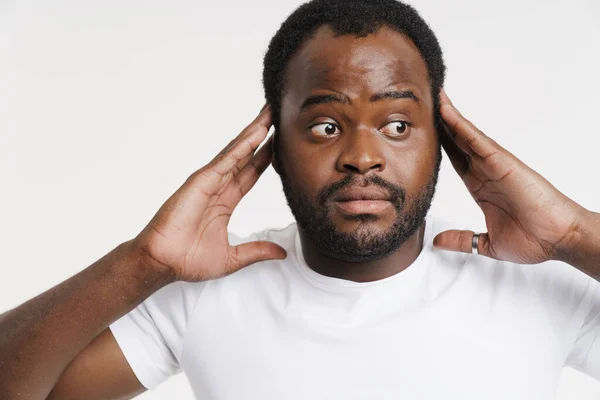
(450,326)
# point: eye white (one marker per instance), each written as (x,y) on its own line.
(324,129)
(396,128)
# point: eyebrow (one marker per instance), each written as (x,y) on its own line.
(323,99)
(339,98)
(395,94)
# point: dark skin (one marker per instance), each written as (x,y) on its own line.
(363,138)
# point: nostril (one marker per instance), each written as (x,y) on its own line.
(350,167)
(358,169)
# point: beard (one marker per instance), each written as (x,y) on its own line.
(365,243)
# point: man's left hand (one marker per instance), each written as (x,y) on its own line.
(528,220)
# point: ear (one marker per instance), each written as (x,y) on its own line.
(275,148)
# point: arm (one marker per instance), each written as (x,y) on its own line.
(41,337)
(185,241)
(99,372)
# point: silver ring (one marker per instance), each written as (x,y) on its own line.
(475,243)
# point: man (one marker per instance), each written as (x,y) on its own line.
(353,301)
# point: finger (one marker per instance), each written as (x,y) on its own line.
(457,157)
(242,150)
(466,135)
(255,167)
(245,160)
(210,178)
(262,120)
(459,240)
(249,253)
(250,157)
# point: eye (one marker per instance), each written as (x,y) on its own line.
(396,128)
(324,129)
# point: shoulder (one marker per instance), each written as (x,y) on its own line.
(285,237)
(554,283)
(176,293)
(261,271)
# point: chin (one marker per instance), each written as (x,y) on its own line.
(361,222)
(362,233)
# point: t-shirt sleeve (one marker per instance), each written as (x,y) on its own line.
(572,302)
(585,354)
(151,335)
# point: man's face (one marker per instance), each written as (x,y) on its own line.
(358,153)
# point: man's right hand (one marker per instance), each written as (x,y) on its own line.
(188,235)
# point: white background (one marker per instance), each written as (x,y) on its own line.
(106,107)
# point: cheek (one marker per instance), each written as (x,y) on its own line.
(412,166)
(308,167)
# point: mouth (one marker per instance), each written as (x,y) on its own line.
(363,206)
(362,200)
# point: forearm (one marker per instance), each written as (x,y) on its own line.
(583,250)
(39,338)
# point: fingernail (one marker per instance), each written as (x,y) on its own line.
(264,107)
(445,95)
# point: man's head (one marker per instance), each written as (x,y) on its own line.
(354,87)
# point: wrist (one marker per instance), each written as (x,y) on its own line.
(143,262)
(581,248)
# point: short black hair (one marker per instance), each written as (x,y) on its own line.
(348,17)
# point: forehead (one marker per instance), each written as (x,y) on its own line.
(356,65)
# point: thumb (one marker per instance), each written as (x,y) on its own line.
(457,240)
(251,252)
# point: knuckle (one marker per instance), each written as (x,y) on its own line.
(249,146)
(471,140)
(233,157)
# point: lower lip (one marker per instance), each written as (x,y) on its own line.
(363,206)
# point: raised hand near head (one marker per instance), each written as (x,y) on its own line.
(188,235)
(528,219)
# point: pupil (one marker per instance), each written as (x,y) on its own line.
(401,127)
(330,129)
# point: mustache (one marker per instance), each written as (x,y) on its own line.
(397,193)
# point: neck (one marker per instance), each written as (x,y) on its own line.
(363,271)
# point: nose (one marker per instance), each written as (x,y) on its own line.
(361,153)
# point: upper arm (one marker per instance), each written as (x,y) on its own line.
(99,372)
(136,352)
